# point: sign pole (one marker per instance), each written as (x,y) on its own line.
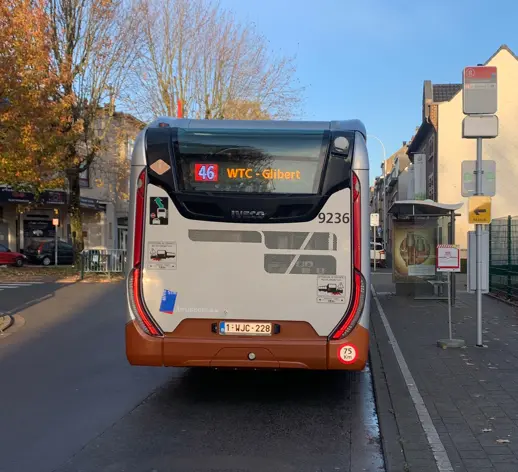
(55,245)
(479,247)
(480,104)
(374,243)
(448,260)
(449,305)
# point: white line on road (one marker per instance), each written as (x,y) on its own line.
(439,452)
(21,283)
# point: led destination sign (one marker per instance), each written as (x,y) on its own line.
(210,173)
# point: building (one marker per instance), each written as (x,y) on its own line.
(440,148)
(396,188)
(104,196)
(388,186)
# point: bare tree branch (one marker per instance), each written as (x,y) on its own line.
(196,52)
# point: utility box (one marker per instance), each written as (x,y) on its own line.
(472,262)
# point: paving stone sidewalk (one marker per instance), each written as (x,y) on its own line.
(471,393)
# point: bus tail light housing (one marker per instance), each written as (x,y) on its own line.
(359,289)
(144,319)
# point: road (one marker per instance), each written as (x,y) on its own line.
(70,402)
(15,294)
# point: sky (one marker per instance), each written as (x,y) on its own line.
(368,59)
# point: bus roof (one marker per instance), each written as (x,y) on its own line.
(344,125)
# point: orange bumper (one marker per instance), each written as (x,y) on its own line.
(193,344)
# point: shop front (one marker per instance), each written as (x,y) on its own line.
(25,218)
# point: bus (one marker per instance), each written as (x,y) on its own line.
(249,245)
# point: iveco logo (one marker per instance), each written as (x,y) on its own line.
(250,214)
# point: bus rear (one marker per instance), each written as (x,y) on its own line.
(249,245)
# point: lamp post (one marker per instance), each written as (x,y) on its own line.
(384,187)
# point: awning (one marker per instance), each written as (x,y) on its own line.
(422,207)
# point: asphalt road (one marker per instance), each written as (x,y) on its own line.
(70,402)
(16,294)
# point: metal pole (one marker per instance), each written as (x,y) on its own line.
(374,244)
(385,222)
(56,245)
(478,236)
(449,304)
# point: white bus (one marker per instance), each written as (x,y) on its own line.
(249,245)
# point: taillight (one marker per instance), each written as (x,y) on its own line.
(139,218)
(40,248)
(359,286)
(357,227)
(138,306)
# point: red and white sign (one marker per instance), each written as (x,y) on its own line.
(347,354)
(448,258)
(479,92)
(479,73)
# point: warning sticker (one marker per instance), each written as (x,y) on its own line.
(158,211)
(347,354)
(331,289)
(162,255)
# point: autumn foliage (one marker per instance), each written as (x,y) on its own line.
(31,117)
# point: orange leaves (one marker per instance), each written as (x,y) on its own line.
(30,143)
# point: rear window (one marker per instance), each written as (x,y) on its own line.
(250,161)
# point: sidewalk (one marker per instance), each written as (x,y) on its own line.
(471,394)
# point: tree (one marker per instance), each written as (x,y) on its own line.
(196,52)
(31,141)
(94,44)
(244,110)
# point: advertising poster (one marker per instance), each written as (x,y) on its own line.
(414,250)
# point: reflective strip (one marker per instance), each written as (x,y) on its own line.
(224,236)
(296,240)
(299,264)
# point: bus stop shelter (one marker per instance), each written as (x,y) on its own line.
(418,226)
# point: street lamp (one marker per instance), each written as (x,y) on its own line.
(384,187)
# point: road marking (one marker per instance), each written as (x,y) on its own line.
(17,284)
(20,283)
(439,452)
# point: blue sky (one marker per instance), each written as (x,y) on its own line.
(368,59)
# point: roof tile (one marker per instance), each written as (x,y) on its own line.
(445,92)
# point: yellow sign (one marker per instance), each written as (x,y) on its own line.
(479,210)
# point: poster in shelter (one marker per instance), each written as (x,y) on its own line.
(414,250)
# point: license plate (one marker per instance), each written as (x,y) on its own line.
(245,329)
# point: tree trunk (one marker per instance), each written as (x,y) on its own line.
(76,217)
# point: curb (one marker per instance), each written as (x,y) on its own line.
(393,453)
(10,322)
(14,311)
(28,304)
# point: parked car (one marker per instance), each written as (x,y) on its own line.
(42,252)
(8,257)
(381,257)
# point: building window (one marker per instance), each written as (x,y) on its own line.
(430,187)
(84,178)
